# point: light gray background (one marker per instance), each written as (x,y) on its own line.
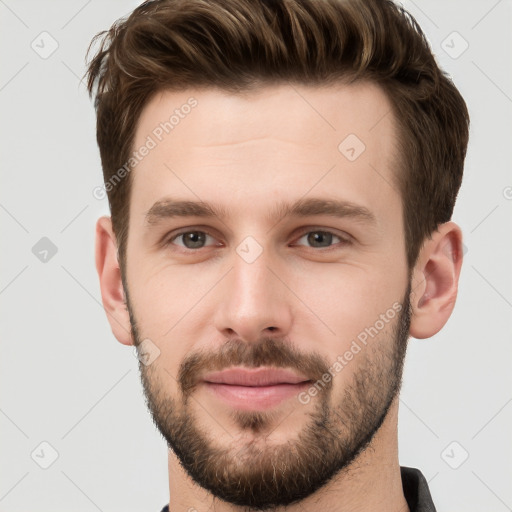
(66,381)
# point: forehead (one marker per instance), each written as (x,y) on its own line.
(221,117)
(281,140)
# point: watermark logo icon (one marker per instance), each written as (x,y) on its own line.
(249,249)
(44,250)
(44,455)
(454,45)
(351,147)
(45,45)
(455,455)
(147,352)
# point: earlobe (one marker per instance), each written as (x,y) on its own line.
(109,273)
(435,281)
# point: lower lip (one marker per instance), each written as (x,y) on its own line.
(250,398)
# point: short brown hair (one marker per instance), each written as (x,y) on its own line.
(241,44)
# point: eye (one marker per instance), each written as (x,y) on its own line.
(322,239)
(191,239)
(195,239)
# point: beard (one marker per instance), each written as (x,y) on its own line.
(251,471)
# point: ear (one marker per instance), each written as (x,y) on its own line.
(435,281)
(111,285)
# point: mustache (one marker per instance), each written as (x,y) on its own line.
(273,352)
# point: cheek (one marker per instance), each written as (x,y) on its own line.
(347,299)
(364,358)
(167,296)
(160,310)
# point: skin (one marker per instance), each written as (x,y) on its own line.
(247,154)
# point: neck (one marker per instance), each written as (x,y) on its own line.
(371,482)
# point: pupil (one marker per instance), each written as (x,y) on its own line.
(318,237)
(194,239)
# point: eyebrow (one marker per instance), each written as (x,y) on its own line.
(168,208)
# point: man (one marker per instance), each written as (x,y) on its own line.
(281,177)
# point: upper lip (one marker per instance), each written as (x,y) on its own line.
(254,377)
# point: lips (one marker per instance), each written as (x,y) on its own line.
(253,389)
(255,377)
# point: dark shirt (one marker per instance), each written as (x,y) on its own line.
(415,488)
(416,491)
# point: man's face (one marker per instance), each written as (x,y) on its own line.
(252,288)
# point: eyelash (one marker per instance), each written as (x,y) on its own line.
(343,240)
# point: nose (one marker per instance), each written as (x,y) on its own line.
(253,300)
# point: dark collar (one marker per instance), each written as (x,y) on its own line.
(416,491)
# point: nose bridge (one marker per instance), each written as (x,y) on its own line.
(252,298)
